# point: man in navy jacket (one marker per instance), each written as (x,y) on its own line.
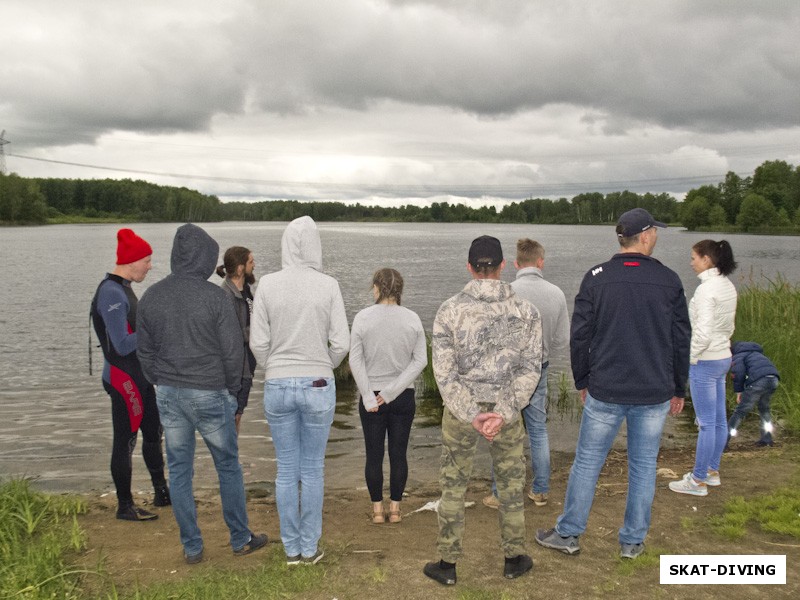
(629,344)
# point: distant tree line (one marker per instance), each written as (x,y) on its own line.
(36,200)
(767,201)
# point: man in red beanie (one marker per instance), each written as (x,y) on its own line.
(133,399)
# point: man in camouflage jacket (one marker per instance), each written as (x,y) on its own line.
(487,357)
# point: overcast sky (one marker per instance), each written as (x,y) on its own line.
(384,101)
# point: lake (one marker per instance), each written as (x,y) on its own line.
(55,420)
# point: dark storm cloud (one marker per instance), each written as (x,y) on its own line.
(723,65)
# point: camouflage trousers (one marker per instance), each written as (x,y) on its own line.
(459,441)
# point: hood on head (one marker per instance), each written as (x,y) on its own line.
(194,252)
(738,347)
(301,246)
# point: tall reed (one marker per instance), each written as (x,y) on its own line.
(770,315)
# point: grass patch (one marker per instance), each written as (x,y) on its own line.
(38,535)
(773,513)
(272,580)
(651,558)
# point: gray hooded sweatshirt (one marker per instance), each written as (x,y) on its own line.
(188,333)
(299,325)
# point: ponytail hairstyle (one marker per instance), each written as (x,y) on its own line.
(389,283)
(720,253)
(234,256)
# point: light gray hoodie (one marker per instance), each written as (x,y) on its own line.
(299,325)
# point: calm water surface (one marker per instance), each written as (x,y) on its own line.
(55,417)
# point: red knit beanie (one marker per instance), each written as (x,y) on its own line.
(130,247)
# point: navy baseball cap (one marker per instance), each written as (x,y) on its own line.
(636,221)
(485,251)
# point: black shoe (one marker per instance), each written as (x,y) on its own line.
(444,575)
(256,541)
(519,565)
(134,513)
(194,558)
(161,496)
(764,443)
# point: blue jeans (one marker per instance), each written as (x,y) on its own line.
(599,426)
(760,392)
(707,386)
(535,416)
(211,412)
(300,418)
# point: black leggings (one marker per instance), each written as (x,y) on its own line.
(125,442)
(395,420)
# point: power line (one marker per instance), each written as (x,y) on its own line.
(519,189)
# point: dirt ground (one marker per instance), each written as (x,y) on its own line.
(370,561)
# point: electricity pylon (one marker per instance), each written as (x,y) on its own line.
(3,143)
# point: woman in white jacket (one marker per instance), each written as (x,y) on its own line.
(387,353)
(712,312)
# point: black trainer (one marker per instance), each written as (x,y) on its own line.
(161,496)
(446,575)
(257,540)
(134,513)
(519,565)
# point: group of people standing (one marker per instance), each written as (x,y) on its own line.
(632,339)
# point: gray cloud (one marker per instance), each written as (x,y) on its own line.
(404,97)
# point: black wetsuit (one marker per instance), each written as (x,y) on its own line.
(133,399)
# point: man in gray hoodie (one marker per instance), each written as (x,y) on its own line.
(190,346)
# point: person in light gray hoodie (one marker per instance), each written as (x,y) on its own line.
(299,333)
(190,346)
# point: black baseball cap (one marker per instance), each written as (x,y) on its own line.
(636,221)
(485,251)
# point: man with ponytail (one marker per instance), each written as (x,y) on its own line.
(237,269)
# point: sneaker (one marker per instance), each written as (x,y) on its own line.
(492,501)
(256,541)
(293,560)
(549,538)
(631,550)
(134,513)
(444,575)
(713,479)
(538,499)
(161,496)
(314,558)
(764,443)
(517,566)
(193,559)
(688,485)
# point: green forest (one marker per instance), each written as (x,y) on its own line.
(766,202)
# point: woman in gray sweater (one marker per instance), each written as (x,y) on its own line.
(387,353)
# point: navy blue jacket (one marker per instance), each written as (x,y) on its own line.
(630,334)
(749,364)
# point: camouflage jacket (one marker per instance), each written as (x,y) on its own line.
(487,349)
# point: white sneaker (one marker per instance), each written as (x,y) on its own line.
(713,479)
(688,485)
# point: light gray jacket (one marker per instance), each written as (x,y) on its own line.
(299,326)
(531,285)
